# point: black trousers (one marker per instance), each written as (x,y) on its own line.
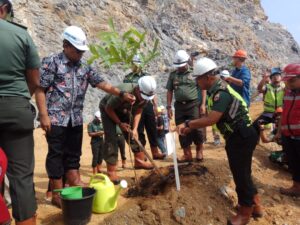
(239,148)
(148,122)
(64,150)
(292,149)
(121,145)
(16,139)
(97,150)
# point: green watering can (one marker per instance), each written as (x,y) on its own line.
(70,192)
(106,196)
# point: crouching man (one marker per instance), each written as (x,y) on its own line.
(229,111)
(115,111)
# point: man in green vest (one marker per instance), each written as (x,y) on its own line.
(182,85)
(147,120)
(273,96)
(19,78)
(229,111)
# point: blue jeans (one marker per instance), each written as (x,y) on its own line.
(161,143)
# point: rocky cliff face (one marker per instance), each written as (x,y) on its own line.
(215,27)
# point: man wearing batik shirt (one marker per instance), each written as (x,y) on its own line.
(64,81)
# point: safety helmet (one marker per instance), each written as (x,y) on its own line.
(76,37)
(202,66)
(274,71)
(240,54)
(147,86)
(136,60)
(225,73)
(98,115)
(291,70)
(181,59)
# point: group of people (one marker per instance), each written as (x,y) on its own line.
(202,97)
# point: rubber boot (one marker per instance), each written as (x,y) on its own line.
(56,184)
(199,153)
(292,191)
(112,173)
(187,157)
(139,162)
(30,221)
(156,154)
(73,178)
(99,168)
(94,170)
(257,209)
(243,216)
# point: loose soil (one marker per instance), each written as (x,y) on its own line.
(155,200)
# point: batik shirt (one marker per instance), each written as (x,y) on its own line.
(66,84)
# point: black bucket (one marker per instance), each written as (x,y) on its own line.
(78,211)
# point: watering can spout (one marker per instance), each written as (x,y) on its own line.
(123,185)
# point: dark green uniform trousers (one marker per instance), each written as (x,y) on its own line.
(16,139)
(111,138)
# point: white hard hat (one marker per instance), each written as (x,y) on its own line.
(147,86)
(203,66)
(137,60)
(181,58)
(225,73)
(98,114)
(76,37)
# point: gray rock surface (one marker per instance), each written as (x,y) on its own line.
(215,27)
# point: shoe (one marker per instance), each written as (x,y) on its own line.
(112,173)
(187,157)
(56,184)
(293,191)
(156,154)
(139,162)
(257,207)
(243,216)
(73,178)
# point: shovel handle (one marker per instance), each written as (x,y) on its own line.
(146,153)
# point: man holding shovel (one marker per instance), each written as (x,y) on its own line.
(115,111)
(229,111)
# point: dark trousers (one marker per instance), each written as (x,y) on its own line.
(121,145)
(64,150)
(239,148)
(16,139)
(97,150)
(111,138)
(292,149)
(148,122)
(188,111)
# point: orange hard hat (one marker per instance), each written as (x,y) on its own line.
(240,54)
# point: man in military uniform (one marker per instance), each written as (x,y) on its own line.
(229,111)
(115,111)
(182,84)
(19,78)
(95,131)
(148,116)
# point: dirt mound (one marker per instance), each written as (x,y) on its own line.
(198,201)
(156,183)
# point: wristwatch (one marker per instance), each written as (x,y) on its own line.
(186,123)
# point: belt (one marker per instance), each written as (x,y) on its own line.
(186,102)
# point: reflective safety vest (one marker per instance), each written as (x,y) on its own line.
(273,97)
(290,118)
(236,115)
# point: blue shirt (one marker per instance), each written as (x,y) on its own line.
(243,74)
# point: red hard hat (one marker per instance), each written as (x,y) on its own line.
(291,70)
(240,54)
